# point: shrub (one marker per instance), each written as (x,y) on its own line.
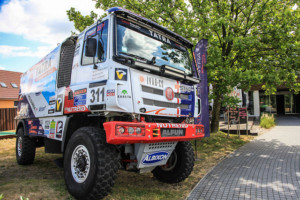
(267,121)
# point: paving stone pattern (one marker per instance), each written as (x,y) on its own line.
(266,168)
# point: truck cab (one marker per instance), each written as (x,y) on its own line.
(121,93)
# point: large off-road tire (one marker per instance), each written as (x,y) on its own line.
(179,166)
(25,148)
(90,164)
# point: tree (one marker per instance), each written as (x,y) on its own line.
(250,41)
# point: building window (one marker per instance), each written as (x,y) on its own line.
(14,85)
(16,103)
(3,85)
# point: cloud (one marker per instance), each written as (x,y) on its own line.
(45,21)
(19,51)
(2,68)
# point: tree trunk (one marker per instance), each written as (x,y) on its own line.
(216,113)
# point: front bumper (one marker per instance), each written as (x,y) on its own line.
(152,132)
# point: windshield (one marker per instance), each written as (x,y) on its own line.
(151,47)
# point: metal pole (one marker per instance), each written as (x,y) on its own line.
(196,149)
(239,124)
(247,122)
(228,120)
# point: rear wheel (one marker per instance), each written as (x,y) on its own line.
(25,148)
(90,164)
(179,166)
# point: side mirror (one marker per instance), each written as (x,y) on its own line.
(90,47)
(100,50)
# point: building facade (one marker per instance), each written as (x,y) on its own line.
(9,88)
(284,102)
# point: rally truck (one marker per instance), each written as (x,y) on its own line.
(120,95)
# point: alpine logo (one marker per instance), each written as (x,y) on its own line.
(155,157)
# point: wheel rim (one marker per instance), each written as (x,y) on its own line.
(19,146)
(80,164)
(171,163)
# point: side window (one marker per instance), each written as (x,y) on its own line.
(101,37)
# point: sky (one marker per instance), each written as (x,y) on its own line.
(30,29)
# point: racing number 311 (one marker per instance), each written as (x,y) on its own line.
(96,95)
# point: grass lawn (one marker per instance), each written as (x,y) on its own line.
(44,180)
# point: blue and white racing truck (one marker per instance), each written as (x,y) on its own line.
(121,94)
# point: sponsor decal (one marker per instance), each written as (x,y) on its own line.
(169,94)
(81,91)
(142,79)
(159,37)
(47,125)
(59,102)
(52,129)
(80,100)
(38,93)
(33,129)
(121,74)
(46,132)
(186,88)
(155,82)
(59,129)
(171,125)
(124,92)
(173,132)
(41,109)
(110,93)
(155,157)
(124,95)
(50,111)
(76,109)
(52,102)
(41,132)
(160,112)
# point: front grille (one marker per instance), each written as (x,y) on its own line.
(181,96)
(161,92)
(160,146)
(152,90)
(151,102)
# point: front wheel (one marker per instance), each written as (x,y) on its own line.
(179,166)
(25,148)
(90,164)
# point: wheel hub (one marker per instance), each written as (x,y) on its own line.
(80,163)
(171,163)
(19,146)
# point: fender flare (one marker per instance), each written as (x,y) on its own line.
(65,133)
(21,122)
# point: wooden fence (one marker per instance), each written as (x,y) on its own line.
(7,116)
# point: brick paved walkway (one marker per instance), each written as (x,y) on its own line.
(266,168)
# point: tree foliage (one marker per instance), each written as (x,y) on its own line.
(250,41)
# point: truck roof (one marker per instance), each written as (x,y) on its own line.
(120,10)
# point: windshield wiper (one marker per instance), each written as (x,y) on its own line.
(137,57)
